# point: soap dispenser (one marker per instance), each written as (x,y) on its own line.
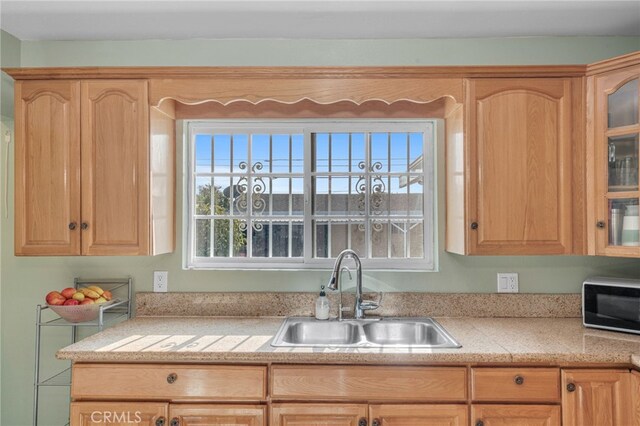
(322,305)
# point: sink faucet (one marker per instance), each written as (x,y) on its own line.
(360,306)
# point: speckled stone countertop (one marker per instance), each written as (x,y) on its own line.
(556,341)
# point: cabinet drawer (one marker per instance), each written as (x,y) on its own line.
(515,384)
(368,383)
(168,382)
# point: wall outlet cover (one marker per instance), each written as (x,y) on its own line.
(160,281)
(508,282)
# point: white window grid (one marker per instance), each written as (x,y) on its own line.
(308,128)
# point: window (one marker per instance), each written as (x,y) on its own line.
(292,195)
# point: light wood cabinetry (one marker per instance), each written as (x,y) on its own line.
(597,397)
(515,384)
(82,170)
(175,382)
(118,413)
(47,168)
(217,415)
(349,395)
(418,415)
(517,168)
(368,383)
(613,144)
(515,415)
(317,414)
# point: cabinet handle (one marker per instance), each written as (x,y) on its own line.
(362,422)
(600,224)
(474,225)
(519,380)
(376,422)
(171,378)
(73,225)
(160,421)
(84,226)
(479,423)
(571,387)
(175,422)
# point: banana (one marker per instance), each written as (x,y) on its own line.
(96,289)
(89,293)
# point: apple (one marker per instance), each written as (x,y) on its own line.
(78,296)
(107,295)
(87,301)
(55,298)
(101,300)
(71,302)
(68,292)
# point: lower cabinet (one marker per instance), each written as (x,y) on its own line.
(119,413)
(515,415)
(418,415)
(598,397)
(318,414)
(290,414)
(342,395)
(163,414)
(217,415)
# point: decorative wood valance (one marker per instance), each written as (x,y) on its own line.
(290,85)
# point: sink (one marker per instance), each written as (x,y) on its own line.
(385,332)
(310,333)
(405,333)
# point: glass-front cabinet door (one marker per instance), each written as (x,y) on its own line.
(617,144)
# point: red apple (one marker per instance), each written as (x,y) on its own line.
(87,301)
(55,298)
(107,295)
(68,292)
(71,302)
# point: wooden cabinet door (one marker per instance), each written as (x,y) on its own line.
(613,138)
(119,413)
(519,166)
(516,415)
(317,414)
(596,397)
(418,415)
(115,167)
(47,168)
(218,415)
(635,392)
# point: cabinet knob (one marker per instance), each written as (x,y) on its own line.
(171,378)
(73,225)
(571,387)
(84,226)
(518,380)
(479,423)
(600,224)
(474,225)
(175,422)
(160,421)
(376,422)
(362,422)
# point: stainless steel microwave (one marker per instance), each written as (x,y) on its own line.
(612,304)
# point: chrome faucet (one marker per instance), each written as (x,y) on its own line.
(334,282)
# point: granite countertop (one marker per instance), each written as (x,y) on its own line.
(556,341)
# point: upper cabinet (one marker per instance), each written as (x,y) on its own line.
(511,174)
(47,168)
(84,171)
(612,136)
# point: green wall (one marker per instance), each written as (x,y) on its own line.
(25,281)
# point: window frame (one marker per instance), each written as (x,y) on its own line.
(429,127)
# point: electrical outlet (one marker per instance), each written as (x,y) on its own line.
(160,281)
(507,282)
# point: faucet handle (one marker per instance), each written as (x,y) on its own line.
(369,305)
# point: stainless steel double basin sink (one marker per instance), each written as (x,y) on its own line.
(367,333)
